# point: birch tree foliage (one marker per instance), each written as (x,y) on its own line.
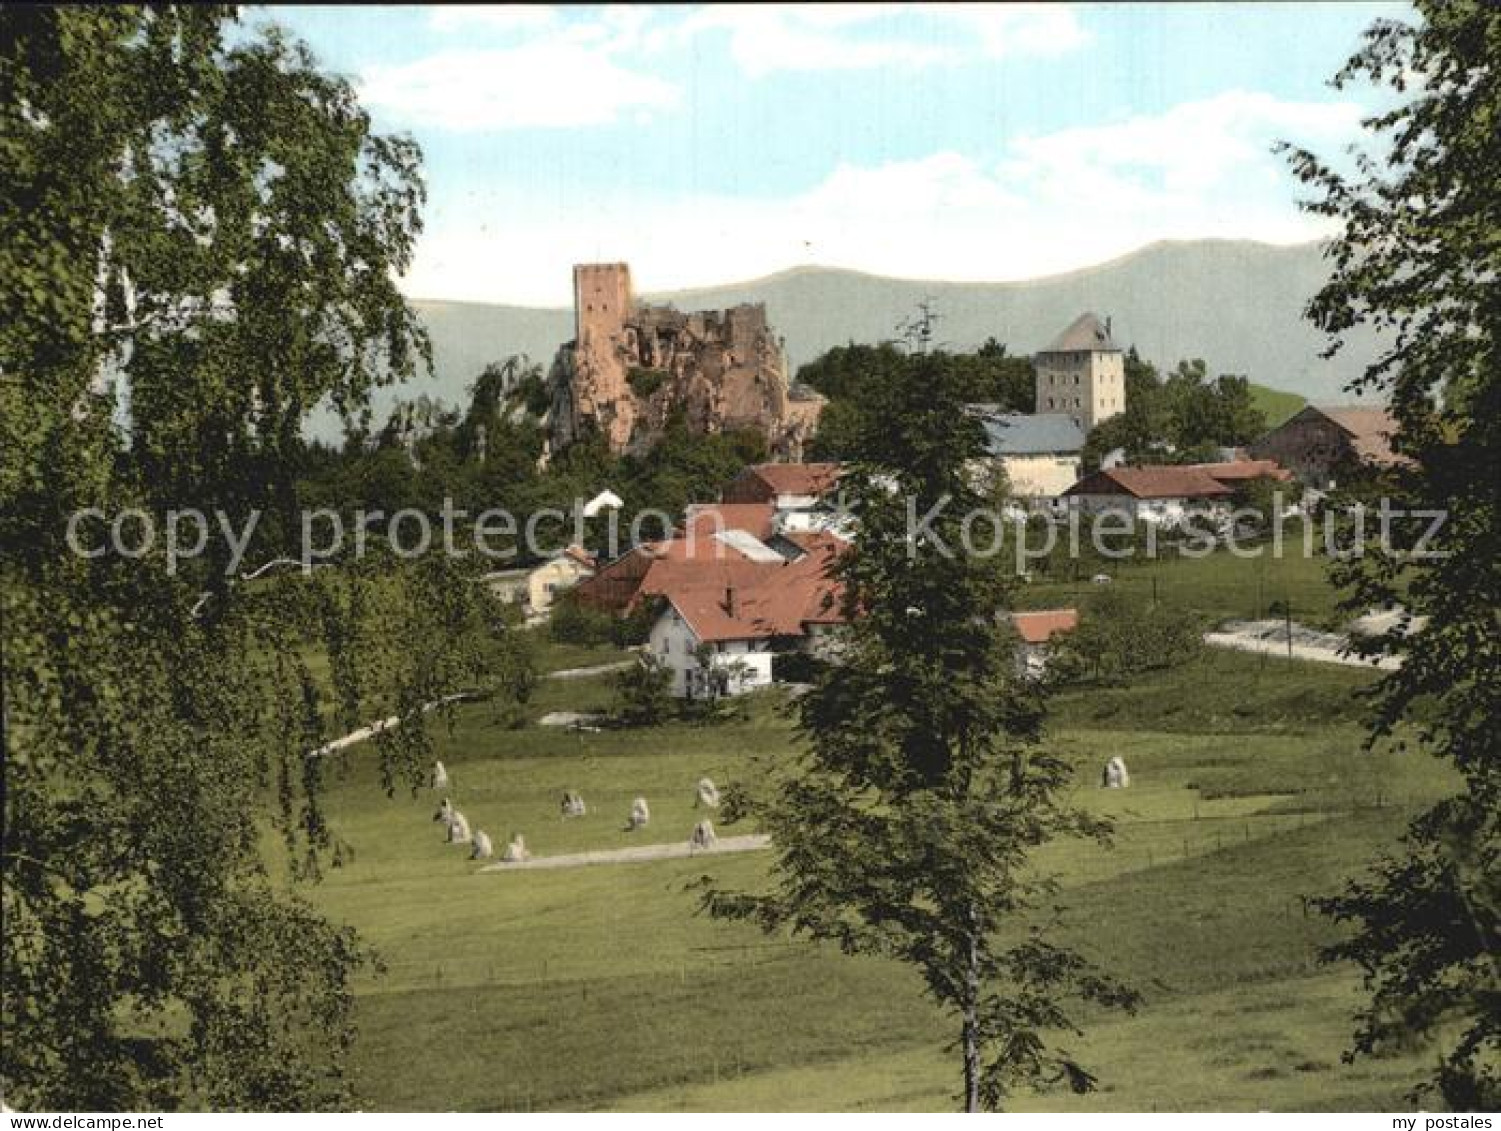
(200,236)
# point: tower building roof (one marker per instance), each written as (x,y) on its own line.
(1085,334)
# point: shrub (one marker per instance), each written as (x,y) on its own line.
(643,695)
(573,622)
(645,382)
(634,627)
(1120,635)
(719,679)
(796,667)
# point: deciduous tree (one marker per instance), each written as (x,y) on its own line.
(200,238)
(1419,258)
(908,825)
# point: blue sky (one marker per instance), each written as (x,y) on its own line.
(708,145)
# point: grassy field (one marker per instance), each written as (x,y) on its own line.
(603,987)
(1275,404)
(1219,586)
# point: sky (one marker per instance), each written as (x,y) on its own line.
(709,144)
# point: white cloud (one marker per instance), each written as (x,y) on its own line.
(526,67)
(764,39)
(1193,148)
(558,83)
(494,18)
(1004,30)
(1052,203)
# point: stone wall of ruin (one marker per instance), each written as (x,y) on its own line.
(631,366)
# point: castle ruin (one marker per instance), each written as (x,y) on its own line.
(631,365)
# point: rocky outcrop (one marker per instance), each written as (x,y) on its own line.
(631,366)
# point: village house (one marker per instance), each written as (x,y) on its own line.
(1040,455)
(1167,494)
(706,519)
(786,486)
(536,588)
(1036,630)
(1237,472)
(740,659)
(718,545)
(803,496)
(1320,443)
(1164,495)
(722,639)
(555,576)
(508,585)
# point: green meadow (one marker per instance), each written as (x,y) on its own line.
(1276,405)
(604,987)
(1258,582)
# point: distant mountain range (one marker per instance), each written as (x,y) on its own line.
(1237,304)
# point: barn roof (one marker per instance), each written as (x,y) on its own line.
(1370,429)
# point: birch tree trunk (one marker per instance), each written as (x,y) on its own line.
(971,1039)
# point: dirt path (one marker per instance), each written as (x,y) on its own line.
(374,729)
(678,850)
(585,673)
(1270,638)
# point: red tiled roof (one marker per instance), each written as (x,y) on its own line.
(753,518)
(1163,482)
(645,570)
(1241,470)
(754,600)
(771,479)
(669,574)
(1038,627)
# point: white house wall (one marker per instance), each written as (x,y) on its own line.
(796,502)
(673,642)
(552,578)
(1166,512)
(1045,476)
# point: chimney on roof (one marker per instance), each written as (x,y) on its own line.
(729,600)
(1107,325)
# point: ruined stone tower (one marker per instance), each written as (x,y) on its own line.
(630,366)
(1082,373)
(601,301)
